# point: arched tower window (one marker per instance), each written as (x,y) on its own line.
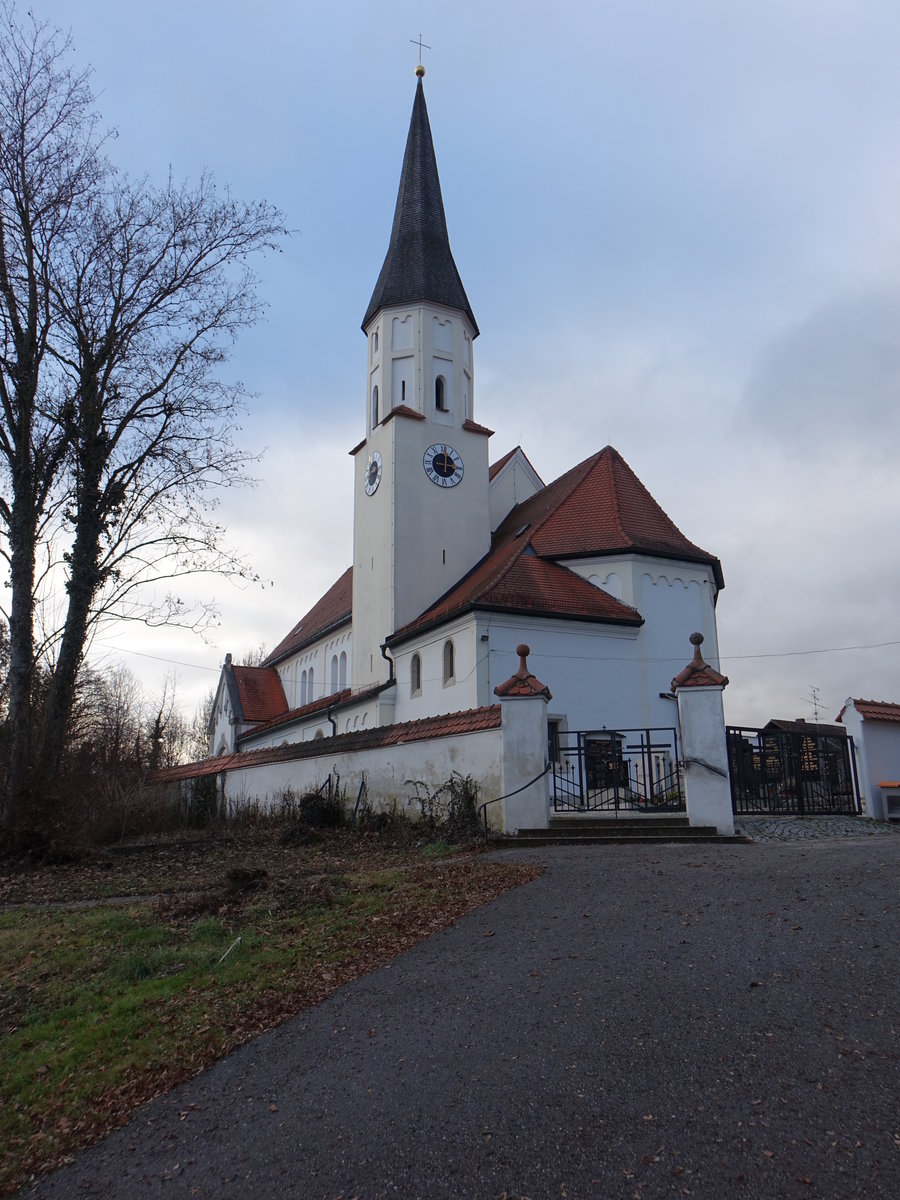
(302,689)
(334,673)
(415,675)
(440,394)
(374,405)
(342,671)
(449,665)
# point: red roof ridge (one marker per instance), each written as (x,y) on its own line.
(566,493)
(495,468)
(873,710)
(332,609)
(470,720)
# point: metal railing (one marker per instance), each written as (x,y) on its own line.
(618,771)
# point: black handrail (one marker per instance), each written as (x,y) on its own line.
(482,808)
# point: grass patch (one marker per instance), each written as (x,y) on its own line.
(104,1006)
(439,849)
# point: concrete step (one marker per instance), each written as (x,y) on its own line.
(587,832)
(646,839)
(641,823)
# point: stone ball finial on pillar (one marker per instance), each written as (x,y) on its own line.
(698,673)
(522,682)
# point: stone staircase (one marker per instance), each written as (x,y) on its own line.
(583,830)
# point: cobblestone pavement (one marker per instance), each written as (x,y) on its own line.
(802,829)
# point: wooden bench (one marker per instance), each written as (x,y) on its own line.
(890,794)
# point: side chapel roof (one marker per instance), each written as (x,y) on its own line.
(600,507)
(513,578)
(260,693)
(419,265)
(331,611)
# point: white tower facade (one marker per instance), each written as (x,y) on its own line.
(421,504)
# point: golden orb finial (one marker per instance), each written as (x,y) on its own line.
(420,71)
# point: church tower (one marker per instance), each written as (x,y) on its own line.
(421,508)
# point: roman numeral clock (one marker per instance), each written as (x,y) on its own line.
(443,465)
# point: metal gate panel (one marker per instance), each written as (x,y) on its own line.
(617,770)
(791,773)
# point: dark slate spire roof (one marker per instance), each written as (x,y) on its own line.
(418,265)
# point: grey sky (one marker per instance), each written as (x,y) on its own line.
(678,229)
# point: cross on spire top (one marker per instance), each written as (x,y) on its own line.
(420,70)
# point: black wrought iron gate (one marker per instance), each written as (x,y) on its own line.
(616,770)
(791,773)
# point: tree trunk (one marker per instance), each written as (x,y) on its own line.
(21,664)
(84,581)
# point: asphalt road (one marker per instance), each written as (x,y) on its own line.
(667,1021)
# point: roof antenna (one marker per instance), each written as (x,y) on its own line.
(420,70)
(814,702)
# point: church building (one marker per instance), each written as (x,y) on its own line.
(458,559)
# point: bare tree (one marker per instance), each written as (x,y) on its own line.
(49,164)
(139,293)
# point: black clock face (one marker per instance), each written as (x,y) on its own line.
(373,473)
(443,465)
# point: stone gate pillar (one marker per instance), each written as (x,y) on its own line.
(704,749)
(523,703)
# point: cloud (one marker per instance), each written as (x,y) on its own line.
(831,380)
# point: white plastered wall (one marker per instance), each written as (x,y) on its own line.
(387,771)
(436,696)
(513,484)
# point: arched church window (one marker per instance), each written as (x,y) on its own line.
(311,694)
(449,665)
(334,673)
(440,394)
(375,342)
(302,689)
(415,675)
(375,404)
(342,671)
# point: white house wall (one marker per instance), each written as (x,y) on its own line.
(317,657)
(435,696)
(589,669)
(877,757)
(387,770)
(513,484)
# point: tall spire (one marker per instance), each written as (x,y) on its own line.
(418,265)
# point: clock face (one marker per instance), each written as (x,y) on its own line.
(443,465)
(373,473)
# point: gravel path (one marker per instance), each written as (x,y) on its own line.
(699,1021)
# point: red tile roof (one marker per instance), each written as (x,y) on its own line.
(474,427)
(328,613)
(875,710)
(260,693)
(335,701)
(601,507)
(473,720)
(403,410)
(598,508)
(513,578)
